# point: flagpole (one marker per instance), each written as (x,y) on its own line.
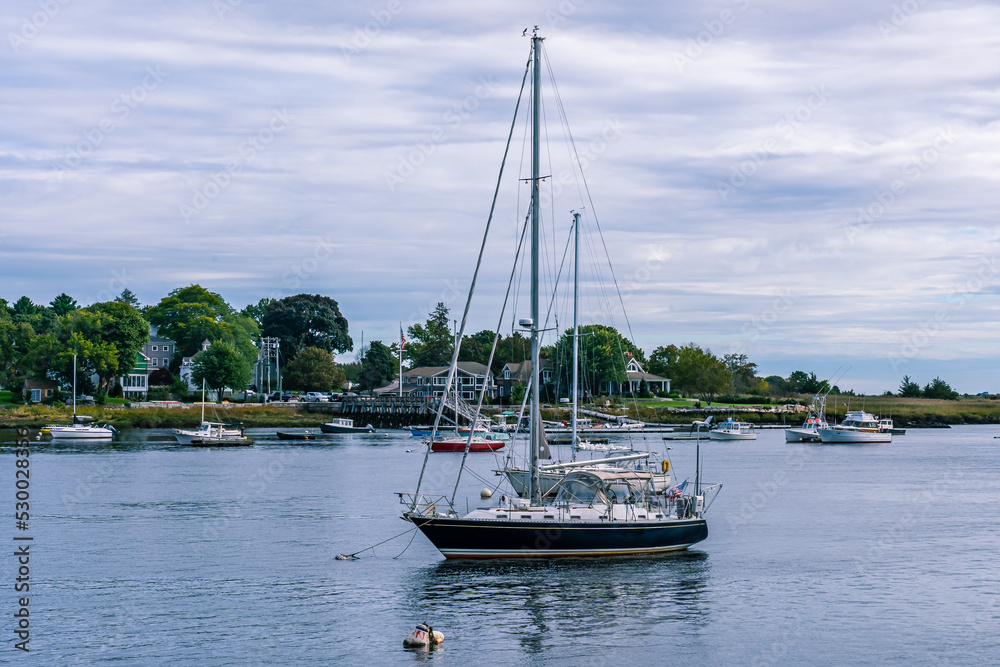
(401,343)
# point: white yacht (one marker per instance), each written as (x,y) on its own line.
(815,420)
(858,427)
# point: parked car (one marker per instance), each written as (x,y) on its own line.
(315,397)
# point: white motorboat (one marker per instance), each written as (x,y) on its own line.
(815,420)
(733,430)
(857,428)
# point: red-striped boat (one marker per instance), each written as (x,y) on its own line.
(458,445)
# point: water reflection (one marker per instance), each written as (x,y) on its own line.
(566,599)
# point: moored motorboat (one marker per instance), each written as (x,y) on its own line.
(858,427)
(733,430)
(308,435)
(885,425)
(344,425)
(815,420)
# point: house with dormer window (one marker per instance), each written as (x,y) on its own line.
(520,371)
(470,377)
(635,374)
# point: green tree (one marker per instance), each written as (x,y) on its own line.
(380,365)
(431,343)
(663,361)
(312,369)
(128,297)
(807,383)
(121,325)
(700,372)
(63,304)
(256,311)
(909,389)
(222,367)
(938,388)
(190,315)
(307,320)
(743,372)
(778,385)
(602,357)
(15,342)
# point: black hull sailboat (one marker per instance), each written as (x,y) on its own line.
(591,511)
(471,538)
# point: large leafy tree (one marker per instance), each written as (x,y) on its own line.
(129,297)
(121,325)
(431,343)
(743,372)
(307,320)
(41,319)
(663,361)
(222,367)
(313,369)
(379,365)
(15,343)
(807,383)
(256,311)
(700,372)
(602,357)
(191,315)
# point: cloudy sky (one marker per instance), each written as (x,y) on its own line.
(812,184)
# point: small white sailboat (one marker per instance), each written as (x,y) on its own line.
(211,433)
(81,428)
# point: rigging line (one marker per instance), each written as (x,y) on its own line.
(590,200)
(472,288)
(489,363)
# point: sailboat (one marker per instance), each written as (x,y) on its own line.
(588,512)
(81,429)
(211,434)
(550,474)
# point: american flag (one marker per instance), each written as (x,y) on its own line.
(402,339)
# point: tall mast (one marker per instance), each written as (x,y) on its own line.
(576,323)
(74,388)
(536,412)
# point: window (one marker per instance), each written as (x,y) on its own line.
(506,374)
(153,360)
(36,395)
(153,348)
(166,348)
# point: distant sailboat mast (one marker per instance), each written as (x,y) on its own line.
(576,323)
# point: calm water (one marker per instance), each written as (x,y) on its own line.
(148,553)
